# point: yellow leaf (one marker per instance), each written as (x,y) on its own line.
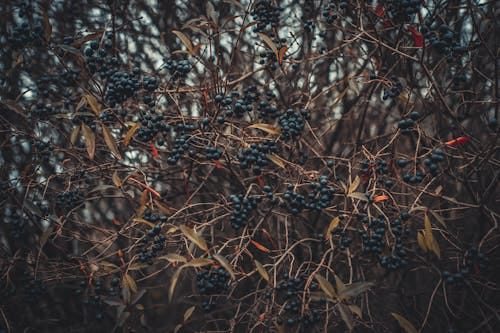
(89,140)
(131,283)
(130,134)
(430,241)
(269,43)
(325,286)
(333,224)
(421,241)
(81,103)
(404,323)
(163,208)
(354,289)
(224,263)
(194,237)
(74,134)
(262,271)
(276,160)
(339,284)
(185,40)
(140,220)
(188,313)
(356,310)
(173,257)
(199,262)
(346,315)
(354,185)
(173,283)
(116,179)
(94,105)
(266,128)
(358,195)
(110,142)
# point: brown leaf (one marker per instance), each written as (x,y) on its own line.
(260,246)
(173,257)
(262,271)
(325,286)
(224,263)
(339,284)
(89,140)
(333,224)
(47,27)
(130,134)
(185,40)
(276,160)
(356,310)
(236,3)
(194,237)
(131,283)
(116,179)
(173,283)
(346,315)
(282,54)
(354,289)
(266,128)
(358,195)
(199,262)
(354,185)
(74,134)
(110,142)
(404,323)
(421,241)
(269,43)
(189,312)
(94,105)
(430,242)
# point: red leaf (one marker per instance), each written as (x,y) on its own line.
(153,150)
(458,141)
(379,10)
(217,164)
(261,181)
(418,38)
(260,247)
(380,198)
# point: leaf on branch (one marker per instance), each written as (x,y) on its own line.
(355,289)
(418,38)
(130,134)
(430,242)
(224,263)
(185,40)
(406,325)
(116,179)
(262,271)
(173,258)
(199,262)
(282,53)
(421,241)
(358,195)
(354,185)
(89,140)
(266,128)
(333,224)
(94,105)
(130,282)
(260,246)
(325,286)
(74,134)
(269,43)
(346,315)
(194,237)
(458,141)
(110,142)
(173,283)
(276,160)
(188,313)
(339,284)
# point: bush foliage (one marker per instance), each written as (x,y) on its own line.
(249,166)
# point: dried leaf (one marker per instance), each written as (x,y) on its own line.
(356,310)
(154,151)
(236,3)
(458,141)
(164,209)
(199,262)
(346,315)
(358,195)
(94,105)
(116,179)
(418,38)
(260,246)
(430,241)
(110,142)
(262,271)
(339,284)
(141,220)
(354,289)
(45,235)
(266,128)
(173,283)
(333,224)
(379,198)
(125,292)
(89,140)
(276,160)
(421,241)
(74,134)
(404,323)
(212,13)
(354,185)
(131,283)
(194,237)
(325,286)
(177,328)
(185,40)
(47,27)
(224,263)
(173,257)
(269,43)
(188,313)
(130,134)
(282,54)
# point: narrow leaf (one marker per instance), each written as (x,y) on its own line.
(430,241)
(173,257)
(188,313)
(130,134)
(260,246)
(418,38)
(276,160)
(94,105)
(173,283)
(339,284)
(333,224)
(404,323)
(266,128)
(224,263)
(89,140)
(355,289)
(458,141)
(421,241)
(194,237)
(358,195)
(346,315)
(356,310)
(236,3)
(116,179)
(110,142)
(282,54)
(74,134)
(379,198)
(185,40)
(131,283)
(269,43)
(262,271)
(199,262)
(354,185)
(325,286)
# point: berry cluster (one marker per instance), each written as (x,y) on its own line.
(406,124)
(444,40)
(68,199)
(234,105)
(475,261)
(330,12)
(292,123)
(266,14)
(212,281)
(404,10)
(15,221)
(242,208)
(178,69)
(43,148)
(181,142)
(23,35)
(100,60)
(394,90)
(255,156)
(318,198)
(432,163)
(152,124)
(153,242)
(373,237)
(121,86)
